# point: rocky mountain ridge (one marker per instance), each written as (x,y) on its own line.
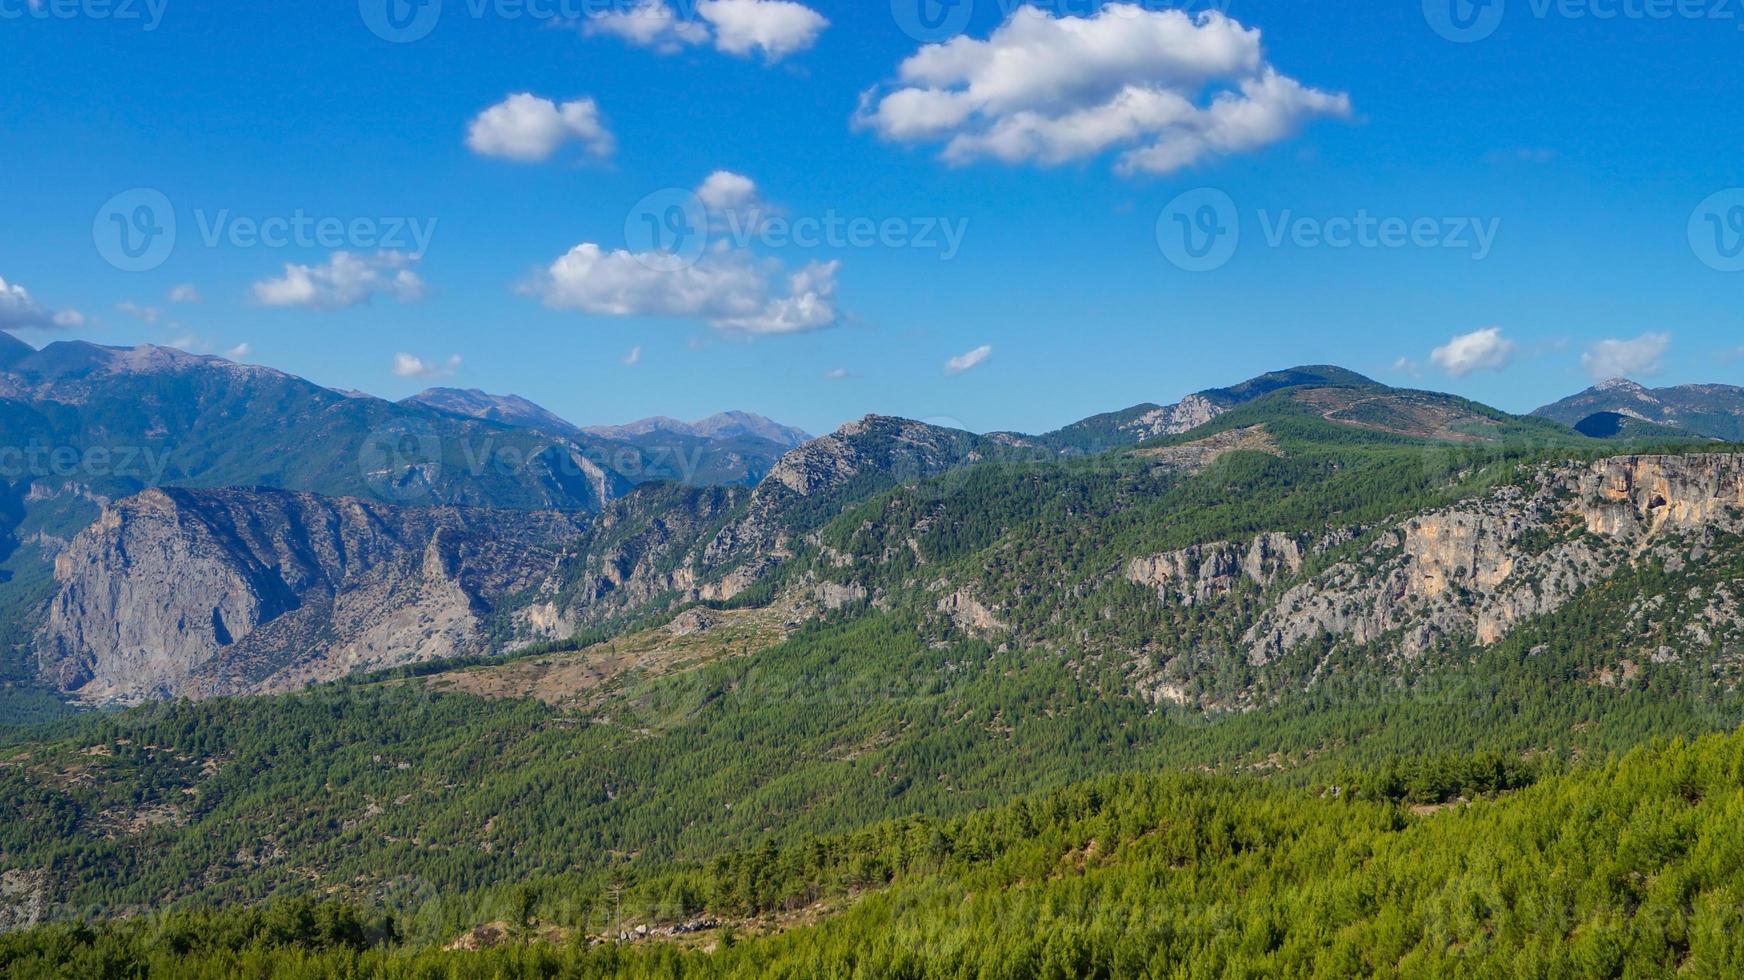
(195,593)
(1713,410)
(1474,571)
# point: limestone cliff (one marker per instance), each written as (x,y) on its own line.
(195,593)
(1473,570)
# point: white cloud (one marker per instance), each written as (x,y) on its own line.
(346,280)
(837,374)
(238,352)
(1478,350)
(150,314)
(1405,365)
(530,129)
(19,311)
(632,357)
(724,190)
(186,293)
(969,359)
(1169,89)
(772,28)
(1626,358)
(727,286)
(413,366)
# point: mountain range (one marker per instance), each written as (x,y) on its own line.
(336,656)
(1710,410)
(725,505)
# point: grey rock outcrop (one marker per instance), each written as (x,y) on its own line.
(195,593)
(1477,569)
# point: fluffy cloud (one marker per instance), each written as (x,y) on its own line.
(19,311)
(724,190)
(1169,89)
(632,357)
(529,129)
(413,366)
(1626,358)
(969,359)
(186,293)
(346,280)
(1478,350)
(727,286)
(773,28)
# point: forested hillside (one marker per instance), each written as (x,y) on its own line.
(1471,867)
(788,724)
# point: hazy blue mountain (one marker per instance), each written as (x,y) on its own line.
(1705,409)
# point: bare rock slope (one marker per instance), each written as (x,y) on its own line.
(195,593)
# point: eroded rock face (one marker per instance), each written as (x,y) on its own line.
(1479,568)
(1188,414)
(966,610)
(1201,572)
(192,593)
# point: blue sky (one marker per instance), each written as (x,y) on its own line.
(1586,144)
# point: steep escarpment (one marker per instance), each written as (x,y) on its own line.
(201,592)
(1476,570)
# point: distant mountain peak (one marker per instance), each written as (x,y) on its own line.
(507,409)
(720,426)
(1712,410)
(1149,421)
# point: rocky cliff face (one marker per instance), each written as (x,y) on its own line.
(1203,572)
(1186,415)
(177,593)
(1474,570)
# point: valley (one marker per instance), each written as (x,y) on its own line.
(576,723)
